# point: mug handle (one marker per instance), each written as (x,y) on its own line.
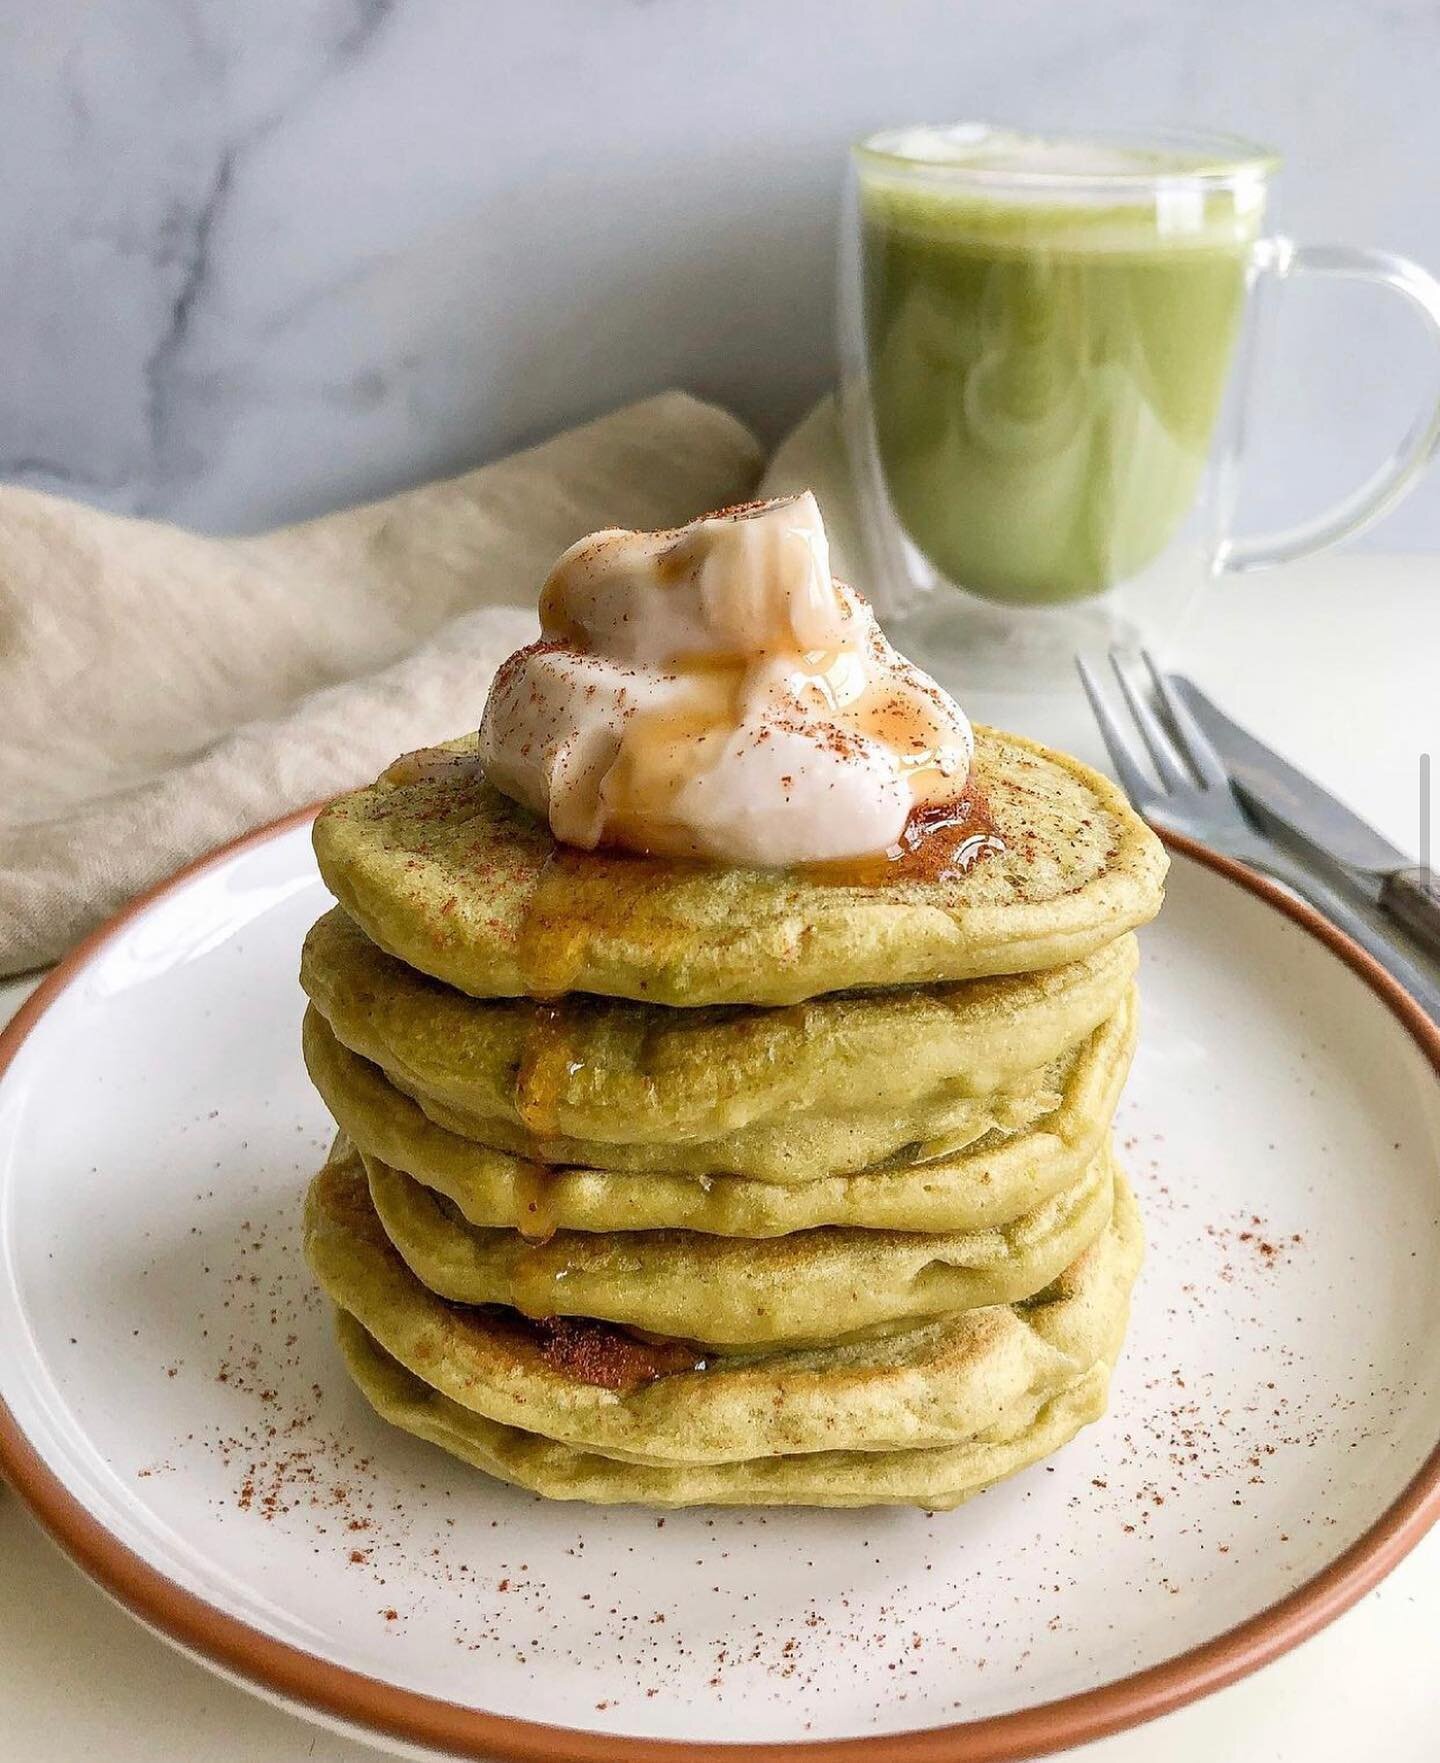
(1282,258)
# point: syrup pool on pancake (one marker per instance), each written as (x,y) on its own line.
(713,692)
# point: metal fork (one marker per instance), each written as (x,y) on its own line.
(1191,795)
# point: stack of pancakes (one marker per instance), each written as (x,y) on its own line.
(682,1183)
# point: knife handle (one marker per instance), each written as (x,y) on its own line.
(1368,930)
(1413,897)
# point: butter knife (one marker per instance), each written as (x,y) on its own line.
(1323,827)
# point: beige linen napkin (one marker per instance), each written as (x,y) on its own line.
(813,457)
(161,692)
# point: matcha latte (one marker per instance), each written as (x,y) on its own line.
(1049,328)
(724,1043)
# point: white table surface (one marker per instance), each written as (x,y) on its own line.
(1338,663)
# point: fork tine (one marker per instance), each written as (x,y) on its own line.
(1128,766)
(1168,763)
(1196,745)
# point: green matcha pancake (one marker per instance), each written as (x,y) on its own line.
(799,1147)
(937,1479)
(1037,1141)
(445,873)
(602,1389)
(587,1068)
(810,1288)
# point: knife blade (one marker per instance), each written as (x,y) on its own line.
(1282,796)
(1282,792)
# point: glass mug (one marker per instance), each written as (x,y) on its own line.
(1046,349)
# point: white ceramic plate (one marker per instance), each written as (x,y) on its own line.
(176,1413)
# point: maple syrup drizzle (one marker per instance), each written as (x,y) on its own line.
(548,1060)
(553,934)
(534,1194)
(537,1271)
(582,896)
(940,843)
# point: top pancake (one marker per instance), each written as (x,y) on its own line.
(445,873)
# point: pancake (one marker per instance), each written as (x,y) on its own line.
(939,1384)
(1005,1171)
(937,1479)
(798,1148)
(587,1068)
(811,1288)
(442,871)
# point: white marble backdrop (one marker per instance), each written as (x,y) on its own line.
(265,256)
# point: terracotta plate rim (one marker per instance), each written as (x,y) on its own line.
(276,1668)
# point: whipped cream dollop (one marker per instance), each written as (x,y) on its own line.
(713,692)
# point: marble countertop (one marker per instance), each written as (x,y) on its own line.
(1333,660)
